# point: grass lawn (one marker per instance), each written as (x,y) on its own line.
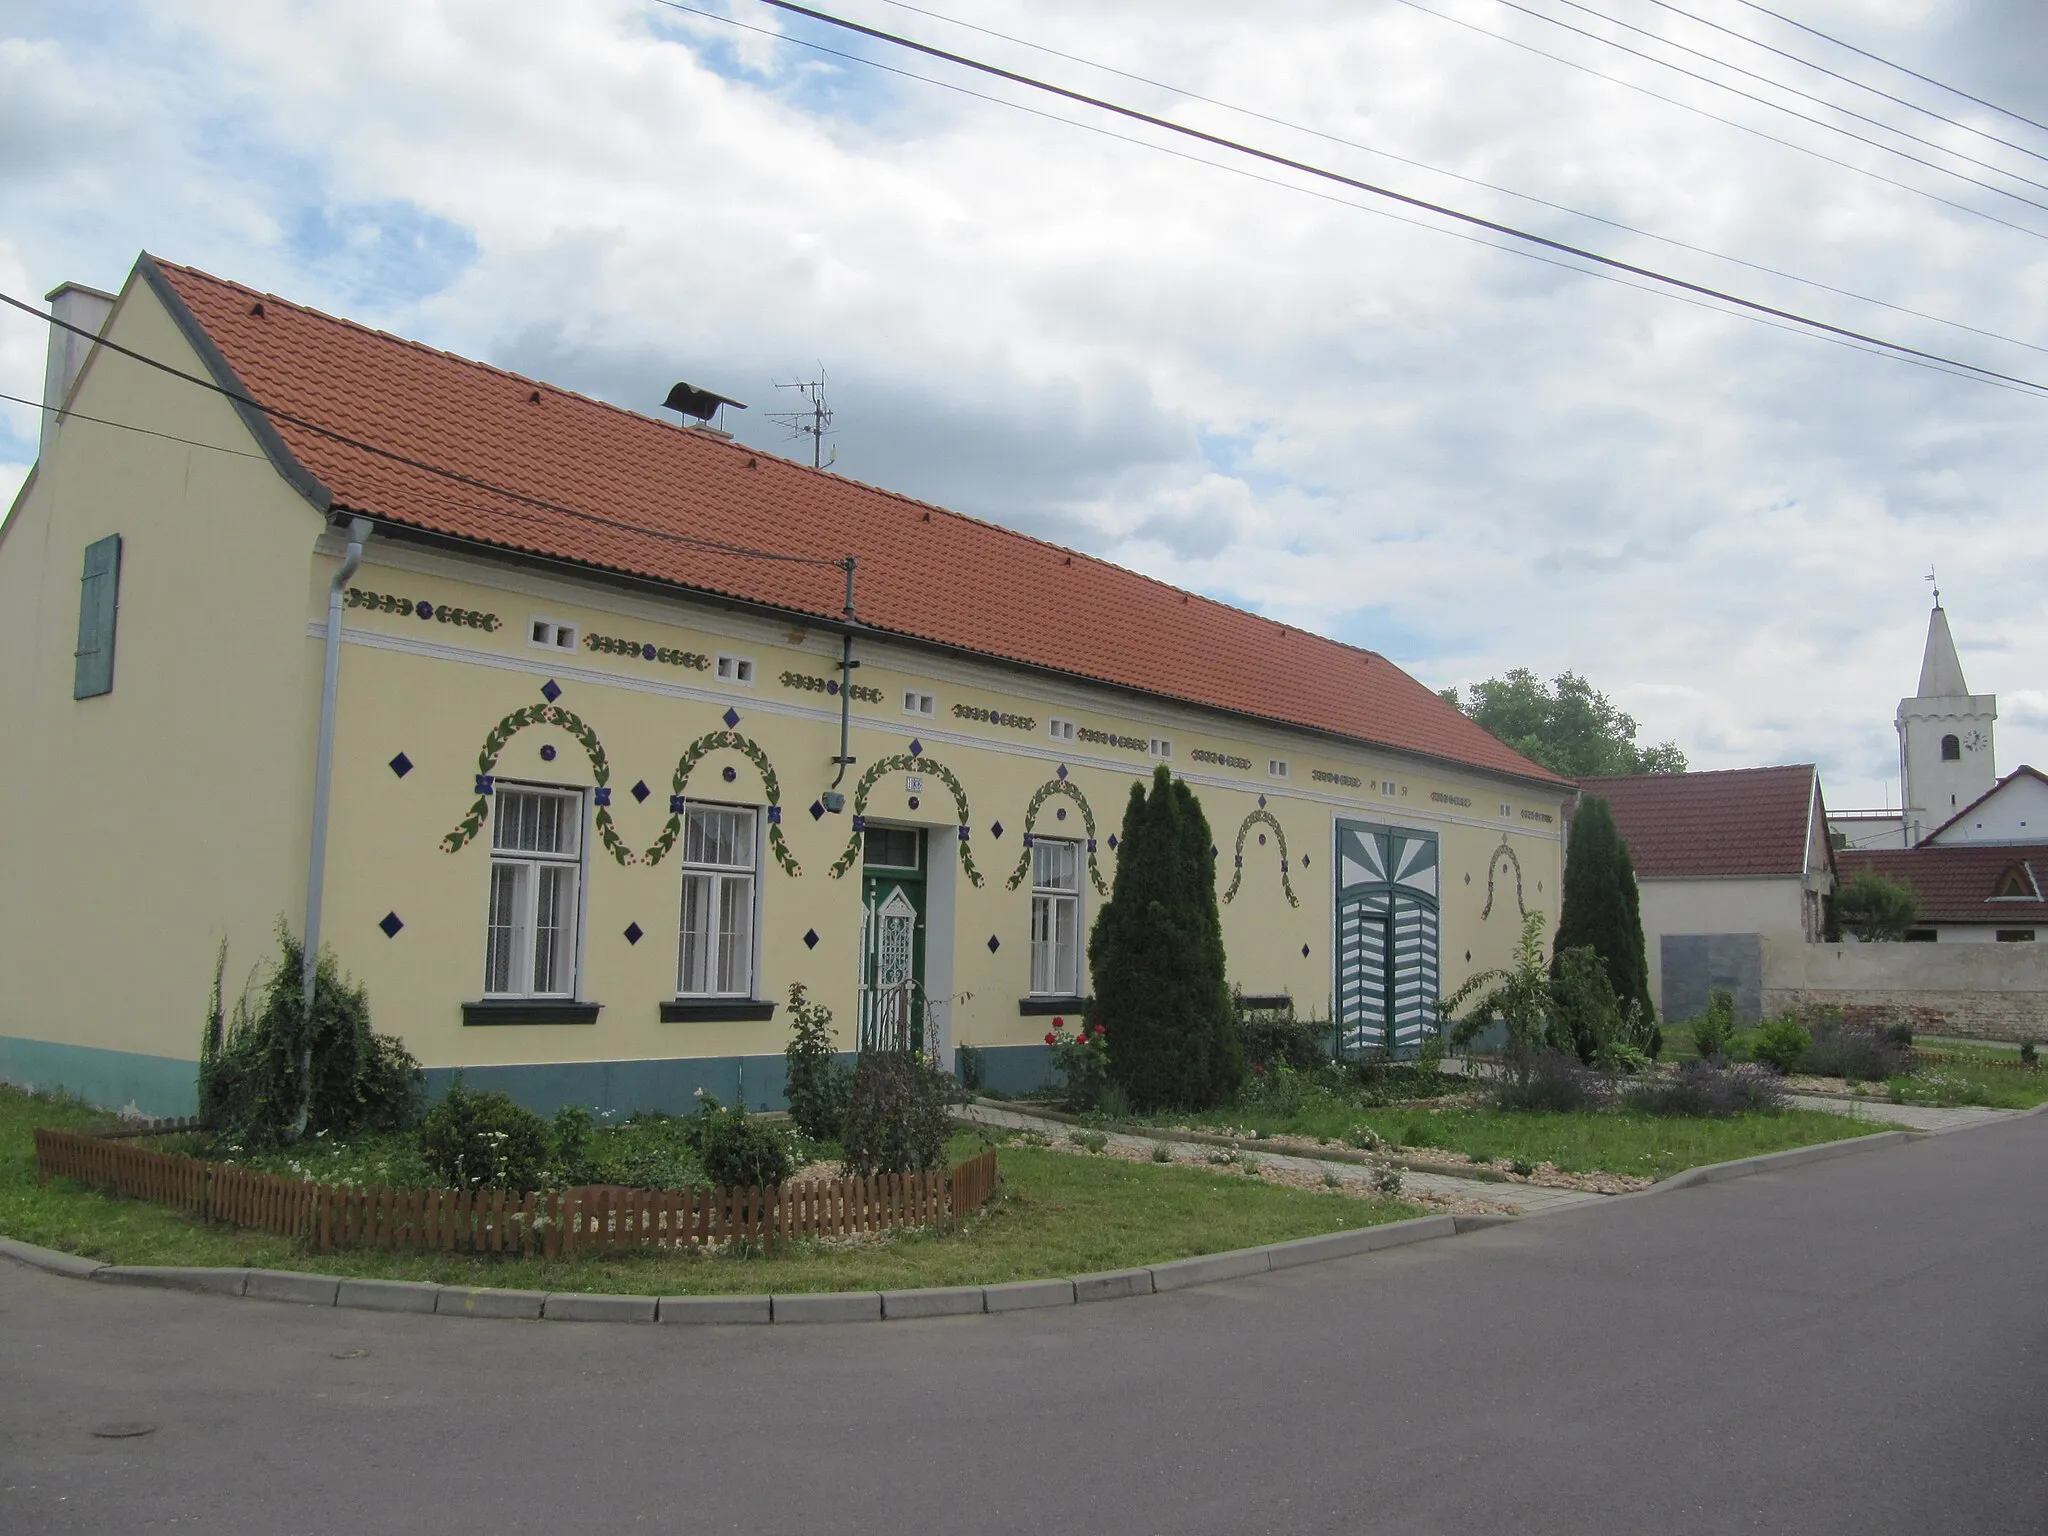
(1652,1146)
(1057,1214)
(1972,1080)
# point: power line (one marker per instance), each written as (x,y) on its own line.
(1779,106)
(63,415)
(1957,370)
(1698,111)
(1861,85)
(1473,220)
(1888,64)
(1437,170)
(455,475)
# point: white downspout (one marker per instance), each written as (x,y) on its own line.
(323,779)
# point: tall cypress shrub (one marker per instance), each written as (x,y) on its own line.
(1602,907)
(1156,956)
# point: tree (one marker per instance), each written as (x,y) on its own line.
(1517,996)
(1602,907)
(1156,955)
(1876,907)
(1568,726)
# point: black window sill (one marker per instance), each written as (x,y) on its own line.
(1266,1000)
(717,1010)
(539,1010)
(1040,1007)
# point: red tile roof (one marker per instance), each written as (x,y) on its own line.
(1957,882)
(1737,821)
(924,572)
(2025,770)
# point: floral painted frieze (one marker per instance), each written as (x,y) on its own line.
(419,608)
(905,762)
(1260,817)
(1045,792)
(487,764)
(696,752)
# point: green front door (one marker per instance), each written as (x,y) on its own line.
(892,939)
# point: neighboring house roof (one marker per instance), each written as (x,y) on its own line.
(924,573)
(1959,883)
(2022,773)
(1735,821)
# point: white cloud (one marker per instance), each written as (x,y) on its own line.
(1464,458)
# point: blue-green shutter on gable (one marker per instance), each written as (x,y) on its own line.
(99,599)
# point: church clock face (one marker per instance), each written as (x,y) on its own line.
(1974,741)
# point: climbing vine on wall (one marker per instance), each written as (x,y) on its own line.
(1261,817)
(1045,792)
(905,762)
(1492,867)
(693,754)
(487,763)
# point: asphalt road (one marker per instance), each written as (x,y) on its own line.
(1854,1346)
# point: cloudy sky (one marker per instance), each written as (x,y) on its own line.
(1464,458)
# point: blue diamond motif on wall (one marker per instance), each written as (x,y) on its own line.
(810,938)
(994,943)
(391,924)
(551,690)
(1112,842)
(731,717)
(634,933)
(1304,861)
(916,747)
(401,765)
(1063,770)
(1304,951)
(996,831)
(817,810)
(1262,802)
(641,792)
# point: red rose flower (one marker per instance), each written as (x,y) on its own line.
(1049,1038)
(1059,1023)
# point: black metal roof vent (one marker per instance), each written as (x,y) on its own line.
(701,404)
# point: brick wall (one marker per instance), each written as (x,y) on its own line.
(1976,991)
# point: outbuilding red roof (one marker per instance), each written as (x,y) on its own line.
(1734,821)
(1960,882)
(630,493)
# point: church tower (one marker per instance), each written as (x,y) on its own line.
(1945,751)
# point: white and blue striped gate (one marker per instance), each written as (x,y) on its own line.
(1386,943)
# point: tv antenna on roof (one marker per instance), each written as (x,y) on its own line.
(814,421)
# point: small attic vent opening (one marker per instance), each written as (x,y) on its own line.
(704,407)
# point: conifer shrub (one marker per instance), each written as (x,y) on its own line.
(818,1082)
(251,1086)
(484,1139)
(1713,1030)
(1156,955)
(1603,908)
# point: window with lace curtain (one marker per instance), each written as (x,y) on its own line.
(536,878)
(719,861)
(1055,918)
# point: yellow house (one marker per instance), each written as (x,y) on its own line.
(580,735)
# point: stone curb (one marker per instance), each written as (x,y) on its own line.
(419,1296)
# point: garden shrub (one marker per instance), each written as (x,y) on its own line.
(1156,953)
(1550,1080)
(1701,1090)
(1783,1044)
(740,1152)
(897,1116)
(969,1065)
(1622,1059)
(1856,1052)
(1714,1030)
(1588,1016)
(818,1083)
(1516,996)
(474,1140)
(1276,1037)
(251,1087)
(2029,1052)
(1082,1060)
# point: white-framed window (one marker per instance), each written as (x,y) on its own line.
(536,882)
(1055,918)
(720,857)
(735,669)
(919,703)
(1062,730)
(1276,767)
(1389,788)
(1507,810)
(1161,747)
(551,635)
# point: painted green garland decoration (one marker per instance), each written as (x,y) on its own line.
(1267,818)
(487,762)
(1045,791)
(697,750)
(905,762)
(1492,866)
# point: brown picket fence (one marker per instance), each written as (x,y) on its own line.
(547,1223)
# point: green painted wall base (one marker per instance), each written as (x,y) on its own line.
(1017,1068)
(157,1086)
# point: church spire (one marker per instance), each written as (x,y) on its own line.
(1941,671)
